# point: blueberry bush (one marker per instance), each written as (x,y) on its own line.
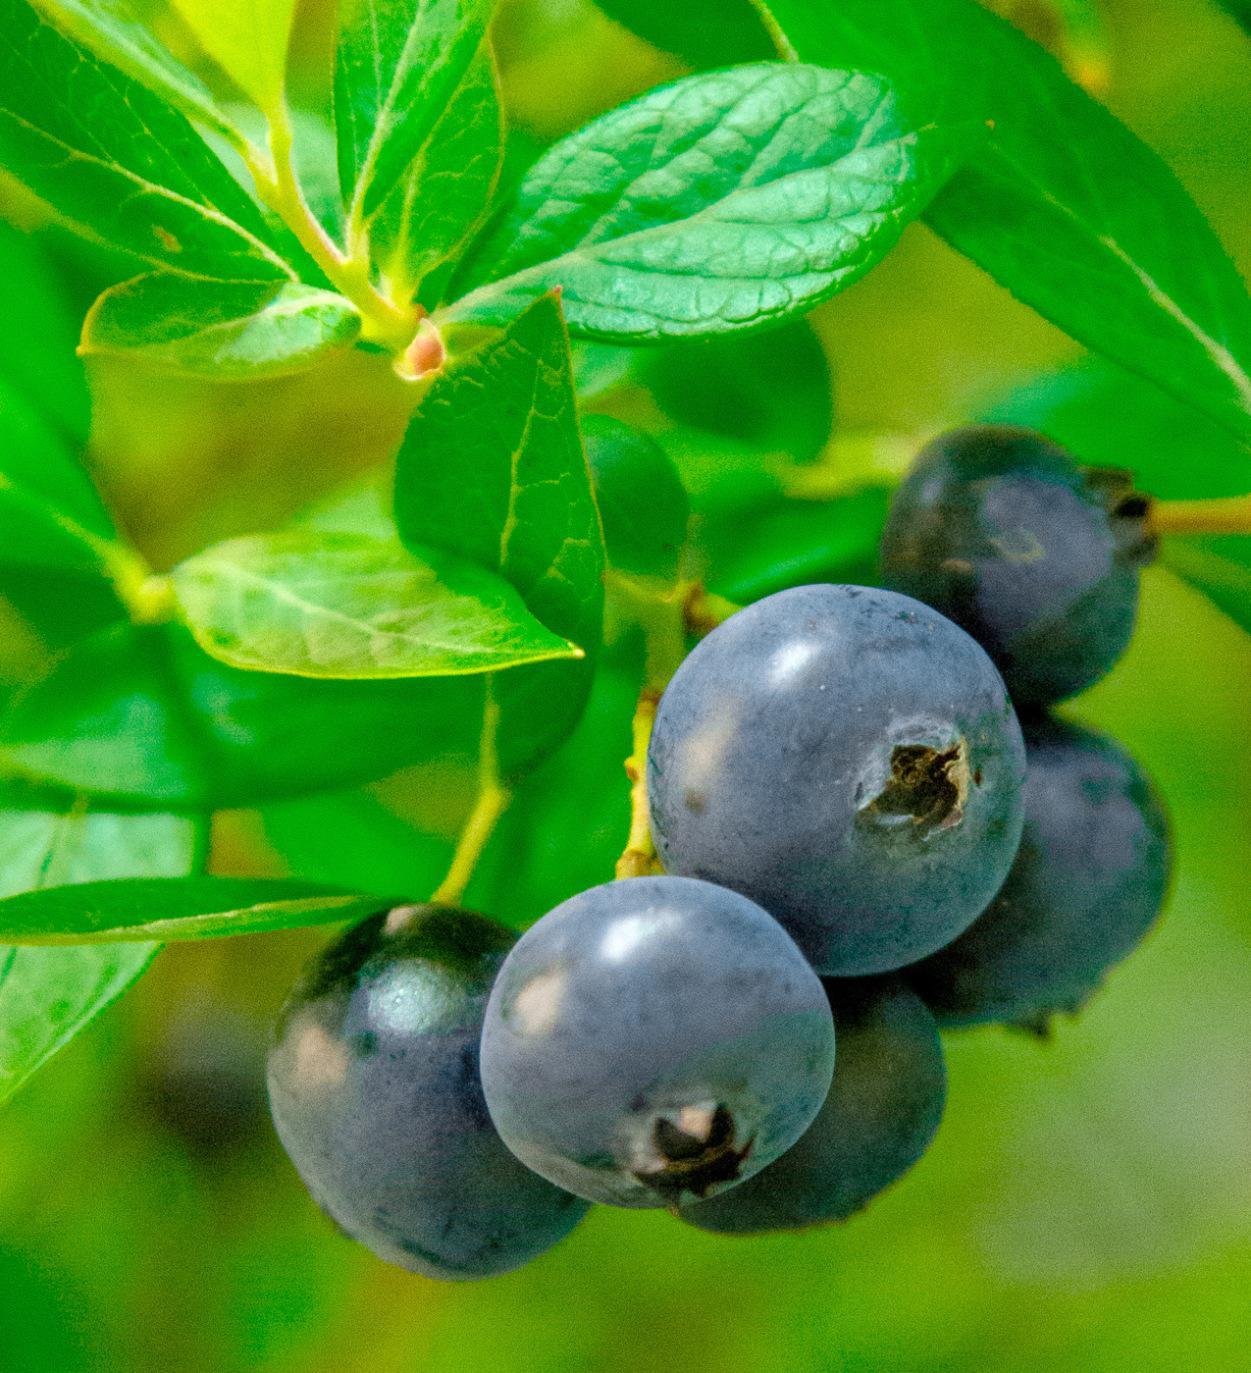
(424,510)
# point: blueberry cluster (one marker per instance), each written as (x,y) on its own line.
(864,838)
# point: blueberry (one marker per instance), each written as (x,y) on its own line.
(848,759)
(653,1039)
(999,529)
(882,1112)
(1088,883)
(375,1092)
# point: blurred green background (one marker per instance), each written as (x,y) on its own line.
(1087,1205)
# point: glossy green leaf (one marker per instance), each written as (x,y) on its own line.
(771,389)
(642,503)
(168,908)
(338,605)
(113,30)
(40,330)
(146,715)
(1071,212)
(1110,418)
(48,995)
(248,39)
(221,330)
(720,202)
(119,164)
(492,468)
(446,191)
(399,65)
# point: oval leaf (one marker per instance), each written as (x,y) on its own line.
(720,202)
(221,330)
(175,909)
(337,605)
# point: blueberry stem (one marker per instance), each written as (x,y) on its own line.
(703,611)
(639,858)
(1226,515)
(492,801)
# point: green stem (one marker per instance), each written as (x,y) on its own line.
(491,803)
(639,857)
(384,322)
(1227,515)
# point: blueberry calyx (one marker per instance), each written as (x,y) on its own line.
(691,1150)
(1129,514)
(927,786)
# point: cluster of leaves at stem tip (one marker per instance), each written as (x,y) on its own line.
(454,607)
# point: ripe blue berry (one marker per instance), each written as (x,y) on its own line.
(654,1039)
(848,759)
(1039,560)
(374,1089)
(1087,884)
(884,1107)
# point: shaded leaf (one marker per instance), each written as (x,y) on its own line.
(224,330)
(145,714)
(327,605)
(118,163)
(642,503)
(720,202)
(169,908)
(48,995)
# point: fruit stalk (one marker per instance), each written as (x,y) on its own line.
(1224,515)
(639,858)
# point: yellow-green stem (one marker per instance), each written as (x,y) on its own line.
(383,321)
(639,858)
(491,803)
(1229,515)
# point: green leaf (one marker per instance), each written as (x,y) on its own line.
(48,995)
(720,202)
(220,330)
(122,911)
(708,33)
(113,30)
(492,468)
(40,330)
(50,513)
(1064,206)
(1110,418)
(248,39)
(1239,10)
(446,192)
(792,543)
(146,715)
(642,503)
(118,163)
(326,605)
(399,65)
(352,839)
(771,389)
